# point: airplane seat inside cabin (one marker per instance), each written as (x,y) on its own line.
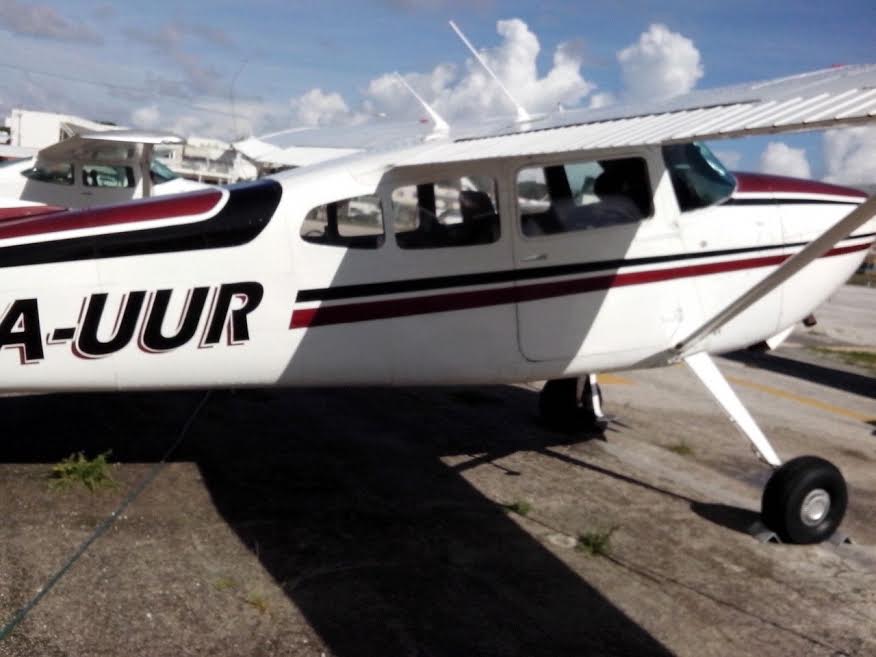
(479,217)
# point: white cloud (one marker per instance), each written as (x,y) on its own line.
(472,93)
(779,158)
(662,64)
(850,155)
(729,159)
(602,99)
(319,108)
(43,21)
(146,117)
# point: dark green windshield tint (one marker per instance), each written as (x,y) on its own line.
(697,175)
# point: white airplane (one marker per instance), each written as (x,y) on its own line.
(94,169)
(589,241)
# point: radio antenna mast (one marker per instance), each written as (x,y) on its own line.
(441,126)
(522,115)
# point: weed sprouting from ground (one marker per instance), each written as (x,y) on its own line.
(595,543)
(224,584)
(258,602)
(681,448)
(866,359)
(79,469)
(520,507)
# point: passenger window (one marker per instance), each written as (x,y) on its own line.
(107,175)
(582,195)
(355,223)
(60,173)
(458,212)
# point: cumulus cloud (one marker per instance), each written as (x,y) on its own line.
(316,108)
(779,158)
(602,99)
(661,64)
(850,155)
(43,21)
(471,93)
(146,117)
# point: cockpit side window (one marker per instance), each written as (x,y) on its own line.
(58,173)
(354,223)
(583,195)
(698,177)
(446,213)
(107,175)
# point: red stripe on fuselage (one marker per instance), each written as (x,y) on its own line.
(434,303)
(184,205)
(763,183)
(7,214)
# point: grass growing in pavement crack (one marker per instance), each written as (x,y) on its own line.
(520,507)
(595,543)
(258,602)
(861,358)
(681,448)
(79,469)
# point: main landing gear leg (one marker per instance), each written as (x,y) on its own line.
(804,500)
(573,404)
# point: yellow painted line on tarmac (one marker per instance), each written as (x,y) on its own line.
(614,379)
(802,399)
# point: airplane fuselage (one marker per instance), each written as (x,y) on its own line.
(239,287)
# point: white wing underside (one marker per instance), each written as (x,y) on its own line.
(842,96)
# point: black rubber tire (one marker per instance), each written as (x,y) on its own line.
(787,488)
(563,409)
(558,404)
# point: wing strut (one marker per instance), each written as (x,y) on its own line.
(812,251)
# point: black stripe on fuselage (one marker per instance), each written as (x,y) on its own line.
(786,201)
(248,210)
(335,293)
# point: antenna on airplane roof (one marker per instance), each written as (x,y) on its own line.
(441,126)
(522,115)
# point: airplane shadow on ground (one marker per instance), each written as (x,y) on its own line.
(343,497)
(857,384)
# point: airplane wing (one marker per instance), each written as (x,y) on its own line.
(828,98)
(264,153)
(82,145)
(842,96)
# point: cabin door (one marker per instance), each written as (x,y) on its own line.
(589,249)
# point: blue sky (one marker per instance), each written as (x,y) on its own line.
(171,64)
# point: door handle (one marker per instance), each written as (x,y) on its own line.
(535,257)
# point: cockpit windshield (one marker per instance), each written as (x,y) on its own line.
(697,175)
(160,173)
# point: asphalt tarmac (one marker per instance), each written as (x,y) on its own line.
(384,522)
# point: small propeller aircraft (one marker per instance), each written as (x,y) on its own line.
(538,248)
(92,169)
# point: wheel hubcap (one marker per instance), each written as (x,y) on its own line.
(815,507)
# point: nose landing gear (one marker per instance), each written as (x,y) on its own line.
(805,499)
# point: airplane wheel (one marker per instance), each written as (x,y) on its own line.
(804,500)
(561,408)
